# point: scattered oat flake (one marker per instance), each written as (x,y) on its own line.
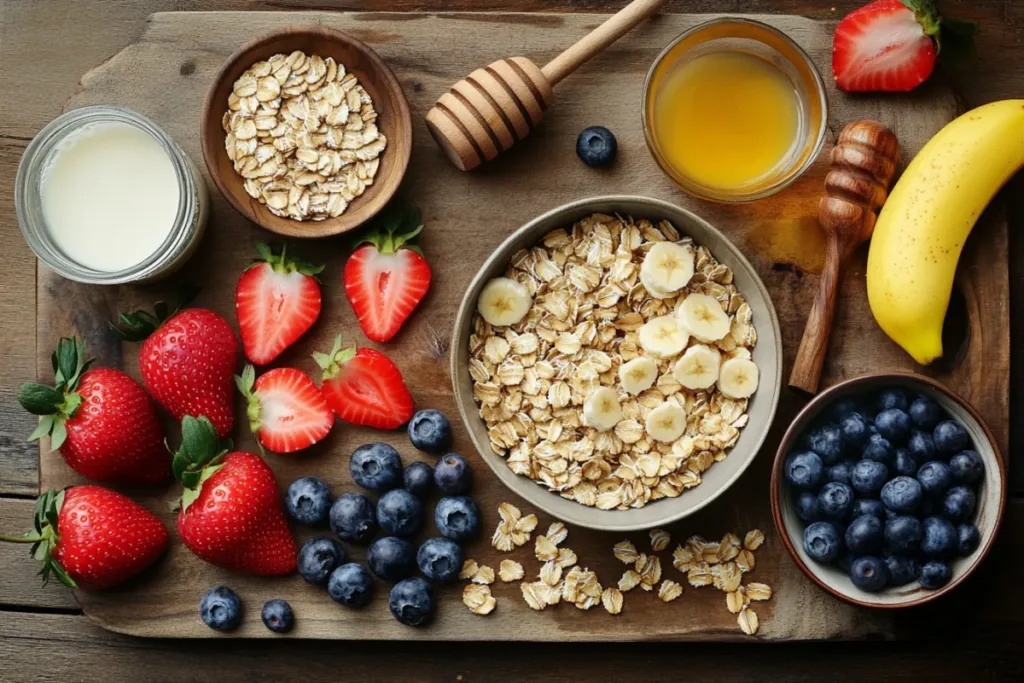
(545,549)
(710,553)
(611,598)
(699,575)
(736,600)
(747,620)
(659,539)
(509,513)
(566,558)
(469,569)
(758,591)
(535,599)
(625,552)
(484,575)
(557,533)
(629,580)
(527,524)
(753,539)
(683,558)
(729,548)
(550,573)
(649,568)
(669,590)
(696,544)
(745,560)
(478,599)
(510,570)
(726,577)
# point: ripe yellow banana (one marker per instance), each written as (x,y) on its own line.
(929,214)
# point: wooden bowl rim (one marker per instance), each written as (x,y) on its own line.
(799,423)
(403,117)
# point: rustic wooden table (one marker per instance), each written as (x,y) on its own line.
(46,45)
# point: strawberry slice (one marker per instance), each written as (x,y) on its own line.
(388,277)
(892,45)
(277,300)
(286,410)
(363,387)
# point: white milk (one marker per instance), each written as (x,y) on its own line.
(109,196)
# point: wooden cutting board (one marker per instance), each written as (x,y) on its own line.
(165,75)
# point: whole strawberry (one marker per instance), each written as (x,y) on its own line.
(93,538)
(230,511)
(187,361)
(363,387)
(277,300)
(102,422)
(387,278)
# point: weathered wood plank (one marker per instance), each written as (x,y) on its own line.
(19,585)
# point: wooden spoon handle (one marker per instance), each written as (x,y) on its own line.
(810,357)
(600,38)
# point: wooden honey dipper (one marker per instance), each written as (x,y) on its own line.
(493,108)
(863,165)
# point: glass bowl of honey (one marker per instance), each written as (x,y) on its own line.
(734,110)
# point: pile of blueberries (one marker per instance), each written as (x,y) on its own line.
(887,488)
(387,526)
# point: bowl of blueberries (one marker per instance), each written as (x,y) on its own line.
(888,489)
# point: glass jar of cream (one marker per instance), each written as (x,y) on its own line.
(104,196)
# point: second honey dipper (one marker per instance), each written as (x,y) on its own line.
(863,165)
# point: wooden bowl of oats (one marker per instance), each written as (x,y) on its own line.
(306,132)
(617,362)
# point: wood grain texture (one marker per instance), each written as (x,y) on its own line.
(21,586)
(466,217)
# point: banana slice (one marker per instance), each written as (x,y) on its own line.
(652,288)
(666,422)
(698,368)
(504,302)
(638,374)
(668,266)
(738,378)
(703,317)
(664,336)
(602,410)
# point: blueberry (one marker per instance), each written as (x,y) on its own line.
(827,442)
(835,501)
(950,438)
(220,609)
(959,504)
(392,559)
(457,517)
(804,470)
(893,424)
(855,430)
(452,475)
(353,518)
(868,477)
(935,574)
(842,408)
(596,146)
(822,541)
(925,413)
(869,573)
(277,615)
(891,399)
(902,569)
(880,450)
(934,477)
(807,507)
(921,447)
(864,535)
(412,601)
(440,559)
(902,494)
(399,513)
(317,559)
(376,466)
(905,463)
(840,472)
(430,431)
(967,467)
(351,585)
(903,534)
(418,478)
(308,501)
(868,506)
(939,538)
(968,538)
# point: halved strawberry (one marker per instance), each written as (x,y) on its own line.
(363,387)
(388,277)
(891,45)
(286,410)
(277,300)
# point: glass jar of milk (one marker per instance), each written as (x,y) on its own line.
(104,196)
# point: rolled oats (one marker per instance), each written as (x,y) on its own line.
(747,620)
(510,570)
(478,599)
(545,550)
(758,591)
(484,575)
(659,539)
(629,580)
(625,552)
(753,539)
(557,533)
(669,590)
(469,569)
(736,600)
(611,598)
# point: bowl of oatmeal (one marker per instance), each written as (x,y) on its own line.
(617,362)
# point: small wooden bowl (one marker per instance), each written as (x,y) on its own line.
(991,491)
(394,121)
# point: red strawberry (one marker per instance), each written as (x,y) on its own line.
(387,278)
(230,511)
(93,538)
(286,410)
(891,45)
(277,300)
(364,387)
(102,421)
(187,362)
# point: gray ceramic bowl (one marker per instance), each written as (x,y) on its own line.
(767,355)
(991,491)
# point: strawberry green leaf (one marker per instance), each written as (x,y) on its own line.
(331,363)
(44,427)
(392,229)
(58,434)
(39,399)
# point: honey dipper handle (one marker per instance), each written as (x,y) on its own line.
(600,38)
(810,357)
